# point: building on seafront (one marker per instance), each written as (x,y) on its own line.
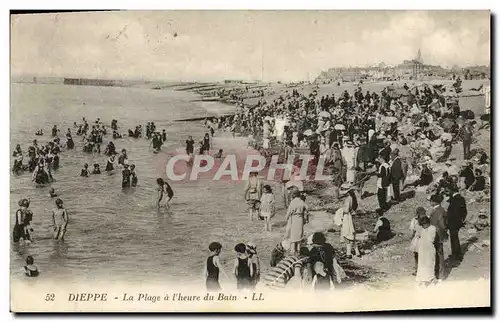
(414,69)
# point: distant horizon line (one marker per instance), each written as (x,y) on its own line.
(143,79)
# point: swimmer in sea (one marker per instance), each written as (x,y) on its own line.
(123,158)
(96,169)
(52,193)
(164,187)
(30,269)
(85,171)
(60,220)
(164,136)
(126,176)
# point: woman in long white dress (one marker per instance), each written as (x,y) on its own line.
(426,252)
(349,155)
(348,232)
(297,216)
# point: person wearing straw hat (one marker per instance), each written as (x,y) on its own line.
(348,233)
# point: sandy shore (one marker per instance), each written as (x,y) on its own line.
(388,262)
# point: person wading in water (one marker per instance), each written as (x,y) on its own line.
(60,220)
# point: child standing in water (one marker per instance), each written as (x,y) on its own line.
(243,270)
(254,262)
(267,207)
(212,268)
(60,220)
(30,269)
(164,187)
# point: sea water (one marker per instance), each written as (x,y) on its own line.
(114,234)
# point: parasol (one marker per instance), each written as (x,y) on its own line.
(391,119)
(308,132)
(324,114)
(339,127)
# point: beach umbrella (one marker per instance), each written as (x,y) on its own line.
(391,119)
(324,114)
(339,127)
(308,132)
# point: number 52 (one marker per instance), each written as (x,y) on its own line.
(50,297)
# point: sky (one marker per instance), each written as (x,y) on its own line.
(243,45)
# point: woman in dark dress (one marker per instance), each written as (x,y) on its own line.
(213,267)
(242,268)
(20,231)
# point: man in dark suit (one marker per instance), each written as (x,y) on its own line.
(438,220)
(383,182)
(457,212)
(396,174)
(465,134)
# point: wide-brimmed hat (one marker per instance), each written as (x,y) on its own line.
(346,187)
(285,243)
(251,248)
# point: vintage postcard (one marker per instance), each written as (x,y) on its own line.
(250,161)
